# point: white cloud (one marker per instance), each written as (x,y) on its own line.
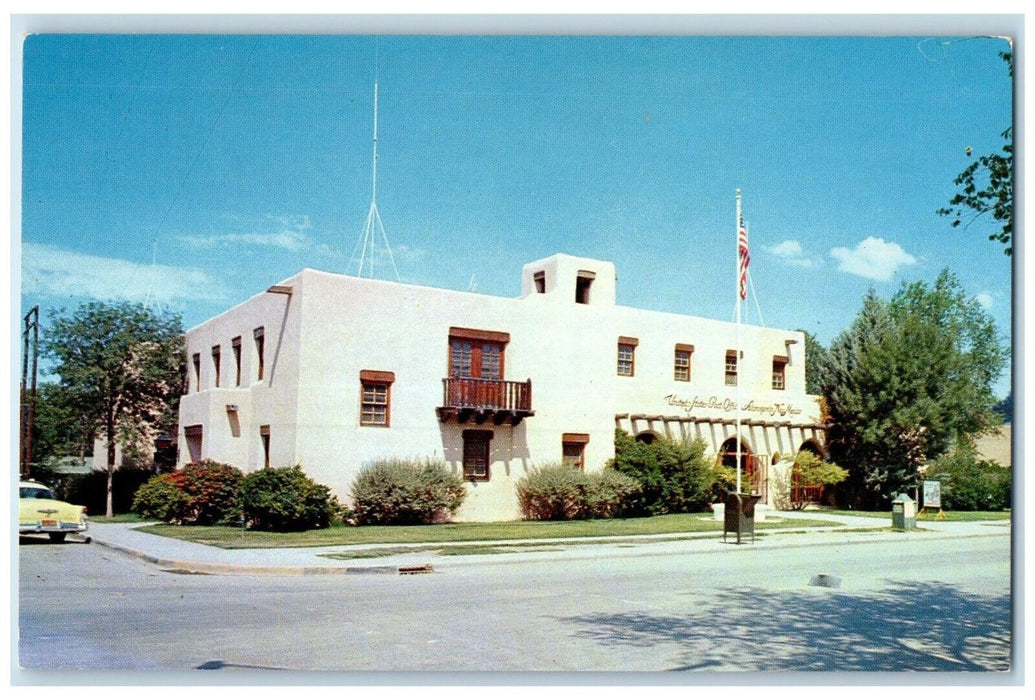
(792,253)
(985,299)
(55,272)
(873,258)
(286,233)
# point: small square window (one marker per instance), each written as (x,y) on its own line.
(626,357)
(731,368)
(376,398)
(779,373)
(681,365)
(540,282)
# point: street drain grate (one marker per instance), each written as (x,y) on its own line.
(417,569)
(185,572)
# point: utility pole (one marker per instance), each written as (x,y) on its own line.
(30,338)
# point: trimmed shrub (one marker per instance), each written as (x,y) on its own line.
(674,475)
(406,492)
(969,483)
(562,492)
(162,498)
(285,500)
(212,489)
(202,493)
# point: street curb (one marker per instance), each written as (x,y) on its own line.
(194,567)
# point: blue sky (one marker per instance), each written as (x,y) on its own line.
(235,161)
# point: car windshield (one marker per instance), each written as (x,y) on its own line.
(35,492)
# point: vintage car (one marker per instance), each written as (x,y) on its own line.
(39,512)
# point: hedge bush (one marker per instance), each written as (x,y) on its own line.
(284,499)
(674,475)
(91,489)
(562,492)
(202,493)
(969,483)
(406,492)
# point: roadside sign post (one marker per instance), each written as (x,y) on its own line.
(932,498)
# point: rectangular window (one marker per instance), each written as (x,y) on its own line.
(196,361)
(264,434)
(731,368)
(540,282)
(573,449)
(681,367)
(193,436)
(217,353)
(583,283)
(376,398)
(476,454)
(260,351)
(627,356)
(236,345)
(779,372)
(476,354)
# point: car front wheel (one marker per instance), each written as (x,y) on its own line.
(57,536)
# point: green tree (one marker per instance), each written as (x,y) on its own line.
(60,428)
(909,378)
(986,187)
(815,360)
(121,361)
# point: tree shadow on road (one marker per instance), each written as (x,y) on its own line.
(906,627)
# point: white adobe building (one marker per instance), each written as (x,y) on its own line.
(332,371)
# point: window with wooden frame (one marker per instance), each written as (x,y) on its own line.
(260,351)
(731,368)
(235,344)
(681,365)
(196,361)
(779,372)
(264,435)
(376,398)
(573,449)
(217,354)
(540,282)
(627,356)
(475,354)
(476,454)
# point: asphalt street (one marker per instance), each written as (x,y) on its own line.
(909,603)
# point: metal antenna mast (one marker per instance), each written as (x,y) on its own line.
(374,225)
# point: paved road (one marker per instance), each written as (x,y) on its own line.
(916,604)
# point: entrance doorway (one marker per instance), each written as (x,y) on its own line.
(752,478)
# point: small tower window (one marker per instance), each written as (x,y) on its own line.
(540,282)
(583,283)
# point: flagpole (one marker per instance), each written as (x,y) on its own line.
(740,223)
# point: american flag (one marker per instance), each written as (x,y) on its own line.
(744,257)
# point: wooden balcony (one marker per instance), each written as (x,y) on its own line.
(467,399)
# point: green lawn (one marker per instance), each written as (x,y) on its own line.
(675,525)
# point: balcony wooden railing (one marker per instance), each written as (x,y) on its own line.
(467,398)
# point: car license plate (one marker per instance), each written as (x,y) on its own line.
(49,523)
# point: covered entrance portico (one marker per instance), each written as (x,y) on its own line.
(762,442)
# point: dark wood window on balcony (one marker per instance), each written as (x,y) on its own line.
(376,398)
(475,387)
(476,454)
(731,368)
(681,367)
(779,372)
(236,345)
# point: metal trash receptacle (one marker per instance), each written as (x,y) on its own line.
(740,515)
(903,513)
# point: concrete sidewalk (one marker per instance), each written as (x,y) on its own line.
(172,554)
